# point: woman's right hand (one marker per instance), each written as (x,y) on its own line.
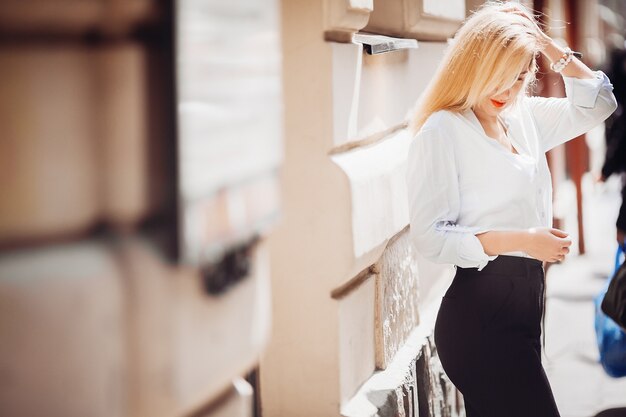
(518,9)
(548,244)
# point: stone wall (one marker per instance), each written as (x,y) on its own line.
(413,383)
(352,302)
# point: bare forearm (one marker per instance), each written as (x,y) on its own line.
(575,68)
(499,242)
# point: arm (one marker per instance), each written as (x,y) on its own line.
(434,204)
(575,69)
(498,242)
(543,243)
(589,97)
(550,49)
(588,103)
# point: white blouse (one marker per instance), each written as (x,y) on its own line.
(461,182)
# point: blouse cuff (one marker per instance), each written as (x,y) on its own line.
(583,92)
(470,250)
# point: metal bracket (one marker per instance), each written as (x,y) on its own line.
(379,44)
(234,266)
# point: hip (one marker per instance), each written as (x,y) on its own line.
(507,295)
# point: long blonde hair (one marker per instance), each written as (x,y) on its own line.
(485,58)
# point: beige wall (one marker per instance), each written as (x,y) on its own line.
(98,319)
(353,307)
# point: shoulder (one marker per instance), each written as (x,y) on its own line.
(441,120)
(440,123)
(441,128)
(437,136)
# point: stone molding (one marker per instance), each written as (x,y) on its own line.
(342,18)
(396,303)
(377,191)
(411,19)
(413,383)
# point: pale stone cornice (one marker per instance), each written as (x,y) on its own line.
(411,19)
(342,18)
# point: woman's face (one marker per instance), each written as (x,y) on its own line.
(493,105)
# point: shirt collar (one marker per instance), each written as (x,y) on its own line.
(470,116)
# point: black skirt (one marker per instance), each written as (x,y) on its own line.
(488,336)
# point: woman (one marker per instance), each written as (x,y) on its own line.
(480,198)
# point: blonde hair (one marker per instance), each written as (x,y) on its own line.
(486,56)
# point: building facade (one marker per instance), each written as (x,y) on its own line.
(204,211)
(354,307)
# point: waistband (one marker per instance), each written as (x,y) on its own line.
(508,264)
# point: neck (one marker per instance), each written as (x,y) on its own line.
(485,118)
(491,126)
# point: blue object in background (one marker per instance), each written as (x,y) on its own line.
(611,339)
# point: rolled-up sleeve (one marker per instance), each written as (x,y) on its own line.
(588,103)
(434,202)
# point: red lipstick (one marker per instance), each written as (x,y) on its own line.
(496,103)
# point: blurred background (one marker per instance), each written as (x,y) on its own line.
(203,209)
